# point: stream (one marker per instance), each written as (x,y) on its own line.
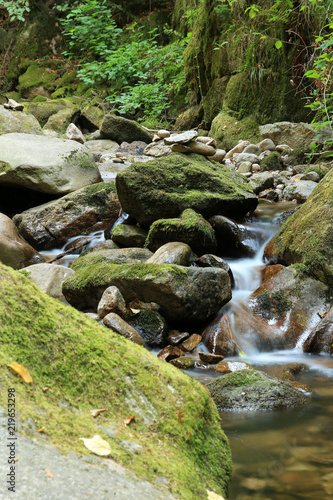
(280,455)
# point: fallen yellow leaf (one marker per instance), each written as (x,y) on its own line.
(95,413)
(97,445)
(297,179)
(21,371)
(41,430)
(128,420)
(214,496)
(49,473)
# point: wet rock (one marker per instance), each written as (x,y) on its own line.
(111,301)
(181,138)
(163,188)
(190,228)
(232,366)
(118,325)
(14,251)
(288,371)
(151,326)
(234,240)
(209,260)
(49,278)
(254,390)
(175,337)
(210,359)
(121,130)
(170,352)
(125,235)
(45,164)
(320,339)
(184,362)
(52,224)
(172,253)
(11,122)
(73,133)
(191,343)
(146,306)
(104,245)
(201,148)
(299,191)
(184,294)
(291,303)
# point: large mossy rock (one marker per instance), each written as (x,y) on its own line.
(43,110)
(228,130)
(87,366)
(52,224)
(191,228)
(45,164)
(18,122)
(121,130)
(307,236)
(165,187)
(250,390)
(183,294)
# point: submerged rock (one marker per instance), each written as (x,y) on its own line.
(184,294)
(251,390)
(165,187)
(45,164)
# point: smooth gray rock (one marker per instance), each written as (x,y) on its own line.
(181,138)
(121,130)
(118,325)
(111,301)
(45,164)
(49,278)
(14,122)
(299,191)
(174,252)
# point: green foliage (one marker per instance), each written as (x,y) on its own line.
(16,9)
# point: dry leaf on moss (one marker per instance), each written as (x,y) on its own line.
(41,430)
(128,420)
(214,496)
(97,412)
(49,473)
(97,445)
(21,371)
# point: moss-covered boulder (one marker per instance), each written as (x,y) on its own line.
(86,366)
(172,253)
(250,390)
(43,110)
(228,130)
(126,235)
(271,162)
(52,224)
(183,294)
(121,130)
(36,80)
(46,164)
(307,236)
(190,228)
(16,121)
(165,187)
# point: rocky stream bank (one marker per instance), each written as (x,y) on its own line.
(152,222)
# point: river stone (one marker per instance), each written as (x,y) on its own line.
(311,176)
(164,187)
(151,326)
(176,337)
(320,339)
(170,352)
(174,252)
(180,148)
(241,157)
(299,191)
(121,130)
(210,359)
(162,133)
(58,123)
(184,362)
(157,149)
(201,148)
(111,301)
(209,260)
(126,235)
(261,181)
(102,147)
(181,138)
(245,167)
(14,251)
(11,122)
(191,228)
(232,366)
(251,390)
(291,302)
(73,133)
(239,148)
(118,325)
(252,149)
(206,140)
(191,343)
(184,294)
(92,116)
(218,156)
(45,164)
(49,278)
(266,145)
(50,225)
(296,135)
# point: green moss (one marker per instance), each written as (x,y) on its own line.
(43,108)
(87,366)
(5,167)
(35,76)
(271,162)
(228,131)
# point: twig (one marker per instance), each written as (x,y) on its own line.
(231,338)
(69,251)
